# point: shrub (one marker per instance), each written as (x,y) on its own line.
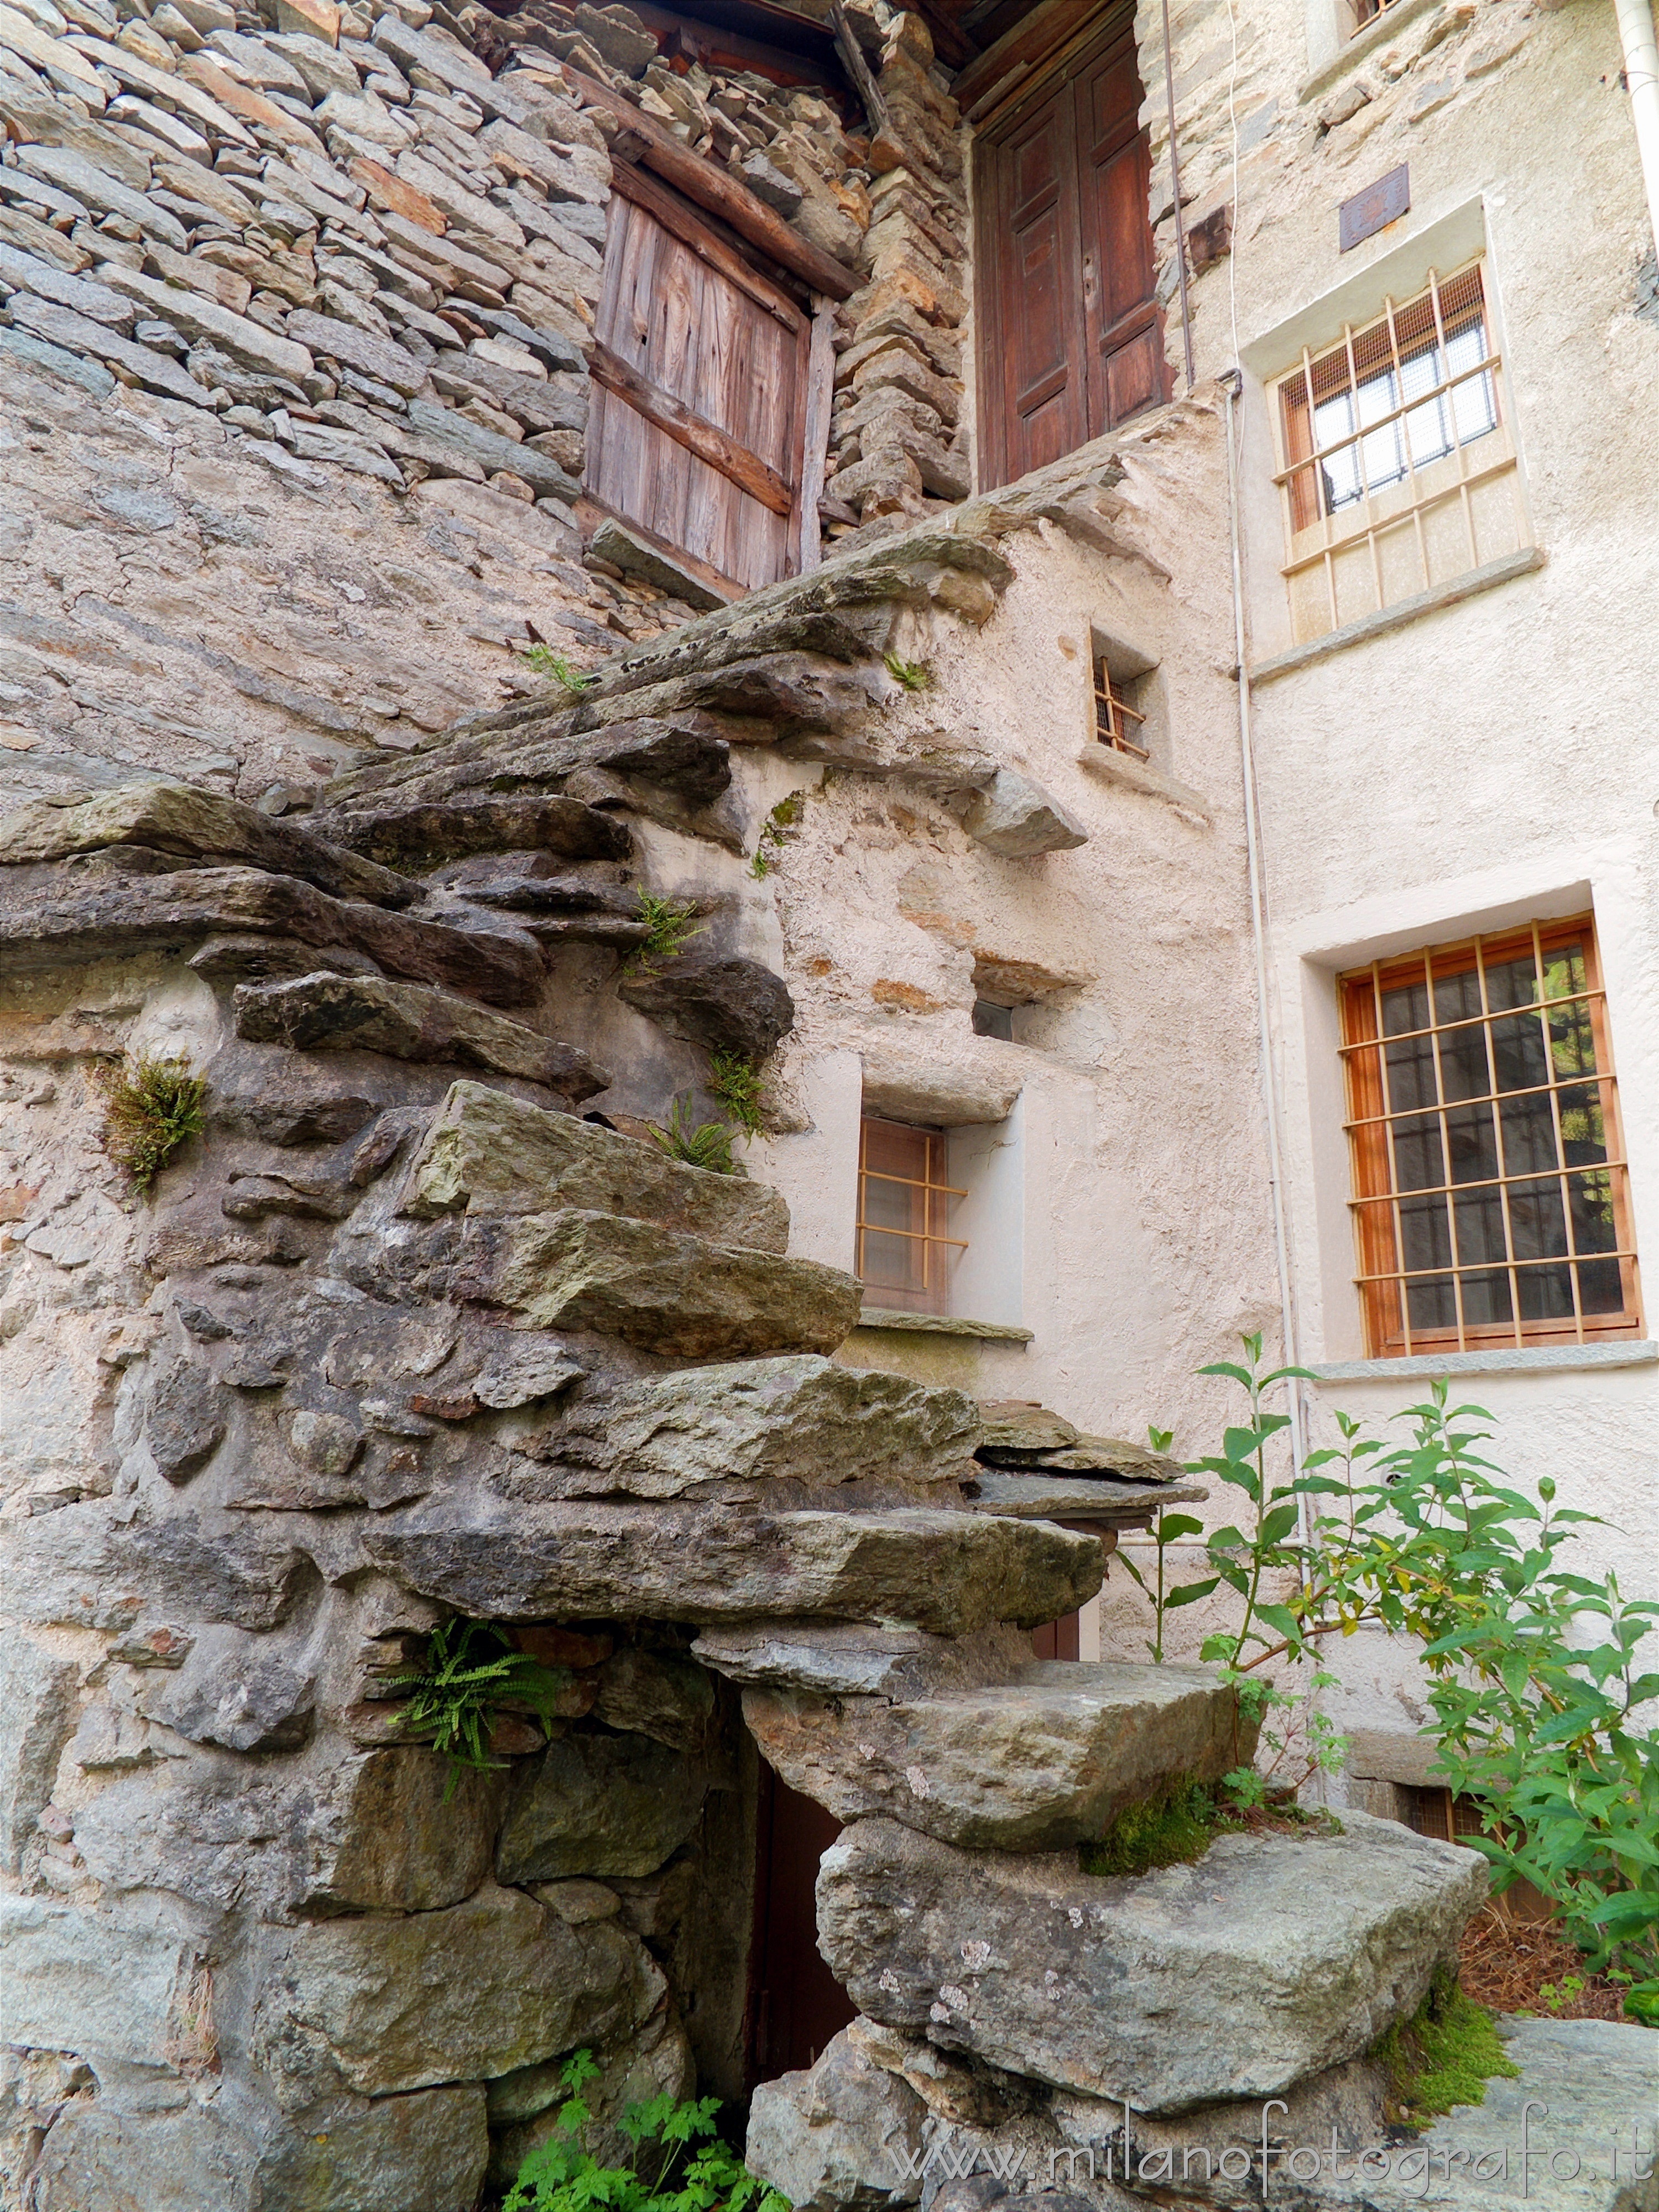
(691,2169)
(471,1672)
(151,1108)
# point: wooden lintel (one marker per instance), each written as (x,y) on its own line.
(693,431)
(637,185)
(718,191)
(1024,48)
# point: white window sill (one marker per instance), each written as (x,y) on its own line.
(1361,44)
(1526,1359)
(1403,611)
(890,1318)
(1113,767)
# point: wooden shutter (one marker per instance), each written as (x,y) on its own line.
(1070,339)
(705,376)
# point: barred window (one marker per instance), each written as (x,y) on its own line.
(1398,469)
(1489,1203)
(904,1254)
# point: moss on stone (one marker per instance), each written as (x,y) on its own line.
(1172,1829)
(1444,2055)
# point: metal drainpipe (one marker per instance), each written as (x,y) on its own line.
(1174,187)
(1642,80)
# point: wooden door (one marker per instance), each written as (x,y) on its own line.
(796,2004)
(1070,340)
(701,385)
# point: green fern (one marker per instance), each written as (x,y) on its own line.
(912,674)
(455,1697)
(705,1145)
(774,836)
(150,1109)
(670,925)
(546,662)
(736,1084)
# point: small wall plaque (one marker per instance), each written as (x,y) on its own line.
(1378,205)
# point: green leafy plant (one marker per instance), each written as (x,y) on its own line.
(669,924)
(1444,2055)
(686,2167)
(705,1145)
(473,1672)
(1538,1722)
(151,1107)
(546,662)
(774,836)
(735,1083)
(914,675)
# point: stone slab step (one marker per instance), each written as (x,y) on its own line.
(1272,1958)
(950,1573)
(492,1154)
(1075,1497)
(1032,1763)
(679,1296)
(845,1659)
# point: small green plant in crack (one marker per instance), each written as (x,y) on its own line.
(1444,2055)
(679,2163)
(736,1084)
(914,675)
(1174,1828)
(774,836)
(670,925)
(546,661)
(151,1107)
(471,1673)
(705,1145)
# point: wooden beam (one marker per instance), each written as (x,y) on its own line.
(853,62)
(1023,48)
(671,212)
(693,431)
(814,439)
(720,192)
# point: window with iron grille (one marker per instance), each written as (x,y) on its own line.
(1397,468)
(905,1254)
(1118,721)
(1367,11)
(1489,1204)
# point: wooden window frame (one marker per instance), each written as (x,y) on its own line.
(1380,1277)
(1113,713)
(1317,537)
(935,1196)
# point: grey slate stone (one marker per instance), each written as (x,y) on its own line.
(91,1982)
(443,426)
(599,1805)
(185,1423)
(1014,818)
(37,1713)
(234,1690)
(24,272)
(726,1005)
(842,2136)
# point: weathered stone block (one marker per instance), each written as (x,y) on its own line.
(659,1694)
(600,1805)
(727,1006)
(495,1154)
(1030,1764)
(77,1568)
(801,1418)
(1012,817)
(400,2002)
(421,836)
(668,1293)
(949,1572)
(88,1982)
(232,1691)
(1270,1959)
(406,1020)
(860,1659)
(38,1711)
(185,1421)
(840,2137)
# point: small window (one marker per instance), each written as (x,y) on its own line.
(1489,1203)
(1367,11)
(1119,721)
(1398,469)
(992,1020)
(905,1255)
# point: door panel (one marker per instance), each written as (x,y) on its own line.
(1070,341)
(796,2003)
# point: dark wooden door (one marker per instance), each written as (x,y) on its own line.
(796,2004)
(701,374)
(1070,341)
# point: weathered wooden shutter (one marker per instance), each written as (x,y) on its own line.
(1070,340)
(707,428)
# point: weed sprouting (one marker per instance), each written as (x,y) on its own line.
(471,1671)
(736,1084)
(914,675)
(705,1145)
(151,1107)
(546,661)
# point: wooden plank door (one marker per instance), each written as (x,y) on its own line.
(1070,340)
(796,2004)
(699,408)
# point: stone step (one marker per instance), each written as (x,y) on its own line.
(1096,1498)
(1032,1763)
(950,1573)
(409,1021)
(1272,1958)
(492,1154)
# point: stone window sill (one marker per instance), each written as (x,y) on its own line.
(1405,610)
(1537,1360)
(1118,767)
(890,1319)
(1362,46)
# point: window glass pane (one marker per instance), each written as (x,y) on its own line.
(1528,1134)
(1512,983)
(1546,1293)
(1465,1072)
(1424,1234)
(1419,1161)
(1412,1079)
(1487,1300)
(1582,1131)
(1572,1040)
(1594,1228)
(1538,1226)
(1480,1225)
(1517,1043)
(1473,1141)
(1458,997)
